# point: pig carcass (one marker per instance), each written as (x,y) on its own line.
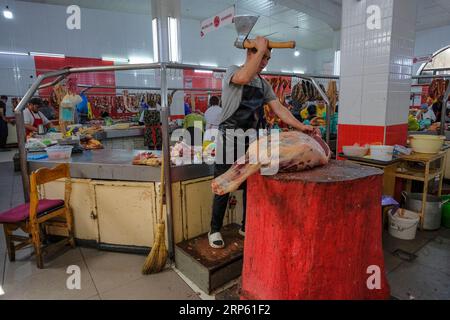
(297,151)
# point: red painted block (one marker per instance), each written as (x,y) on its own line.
(314,234)
(349,134)
(397,134)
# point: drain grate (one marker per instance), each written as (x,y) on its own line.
(404,255)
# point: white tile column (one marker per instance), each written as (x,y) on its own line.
(377,44)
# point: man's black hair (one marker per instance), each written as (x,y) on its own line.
(36,101)
(214,101)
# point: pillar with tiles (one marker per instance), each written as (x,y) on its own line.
(377,45)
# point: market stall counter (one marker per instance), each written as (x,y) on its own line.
(115,203)
(127,138)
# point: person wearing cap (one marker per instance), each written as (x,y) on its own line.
(32,117)
(426,112)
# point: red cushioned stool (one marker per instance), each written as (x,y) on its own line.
(30,216)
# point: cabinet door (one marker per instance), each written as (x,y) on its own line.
(82,202)
(126,212)
(197,204)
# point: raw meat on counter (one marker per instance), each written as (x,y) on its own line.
(147,159)
(90,143)
(297,151)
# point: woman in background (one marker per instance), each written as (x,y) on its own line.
(151,118)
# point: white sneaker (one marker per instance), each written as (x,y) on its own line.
(216,240)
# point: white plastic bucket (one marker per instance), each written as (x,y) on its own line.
(382,153)
(403,226)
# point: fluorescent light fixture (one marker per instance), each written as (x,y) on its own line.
(137,59)
(299,71)
(203,71)
(296,53)
(155,39)
(123,60)
(172,25)
(8,13)
(337,63)
(14,53)
(286,71)
(45,54)
(2,292)
(207,64)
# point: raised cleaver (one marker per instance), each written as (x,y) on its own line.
(244,24)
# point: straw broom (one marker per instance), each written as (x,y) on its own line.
(156,260)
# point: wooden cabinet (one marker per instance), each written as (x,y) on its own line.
(125,213)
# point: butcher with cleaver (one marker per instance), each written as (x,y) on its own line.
(244,94)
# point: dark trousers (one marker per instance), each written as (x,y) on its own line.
(3,133)
(220,202)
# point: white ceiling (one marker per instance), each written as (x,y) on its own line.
(288,24)
(310,23)
(432,14)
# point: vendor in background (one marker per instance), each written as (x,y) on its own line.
(3,124)
(437,109)
(295,109)
(213,113)
(426,112)
(82,110)
(32,117)
(195,124)
(151,119)
(187,107)
(47,110)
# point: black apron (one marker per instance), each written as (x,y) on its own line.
(249,115)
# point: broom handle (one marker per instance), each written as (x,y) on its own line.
(161,198)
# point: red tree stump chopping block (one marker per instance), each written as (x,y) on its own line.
(315,234)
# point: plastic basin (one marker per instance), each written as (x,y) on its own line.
(355,151)
(425,143)
(59,152)
(382,153)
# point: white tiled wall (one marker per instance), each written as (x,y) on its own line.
(401,66)
(350,104)
(377,59)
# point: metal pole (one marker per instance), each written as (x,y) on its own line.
(328,108)
(444,109)
(21,137)
(88,87)
(437,76)
(57,80)
(165,113)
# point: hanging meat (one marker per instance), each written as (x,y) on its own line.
(332,94)
(437,88)
(297,152)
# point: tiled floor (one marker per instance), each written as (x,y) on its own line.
(110,275)
(104,275)
(7,156)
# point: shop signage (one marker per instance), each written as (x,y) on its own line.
(219,20)
(427,58)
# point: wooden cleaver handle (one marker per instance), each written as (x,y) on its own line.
(249,44)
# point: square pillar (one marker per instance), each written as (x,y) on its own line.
(377,47)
